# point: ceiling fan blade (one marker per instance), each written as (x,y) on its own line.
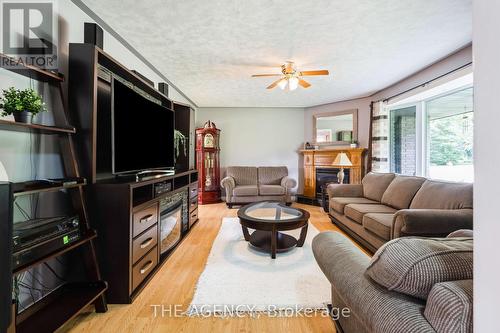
(261,75)
(274,84)
(319,72)
(304,83)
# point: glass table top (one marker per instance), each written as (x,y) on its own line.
(271,211)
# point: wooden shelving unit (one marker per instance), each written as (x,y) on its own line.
(64,303)
(185,123)
(32,72)
(90,235)
(60,306)
(25,188)
(34,128)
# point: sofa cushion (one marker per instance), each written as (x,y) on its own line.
(356,211)
(449,306)
(401,191)
(443,195)
(271,175)
(375,184)
(245,190)
(412,265)
(338,203)
(243,175)
(379,223)
(271,190)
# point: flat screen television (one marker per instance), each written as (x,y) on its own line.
(142,132)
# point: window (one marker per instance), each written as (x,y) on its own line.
(434,137)
(449,134)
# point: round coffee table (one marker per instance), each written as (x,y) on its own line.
(268,218)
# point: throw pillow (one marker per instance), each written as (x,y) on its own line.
(412,265)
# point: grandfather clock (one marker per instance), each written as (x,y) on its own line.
(207,163)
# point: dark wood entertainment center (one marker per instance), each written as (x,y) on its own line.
(139,222)
(128,216)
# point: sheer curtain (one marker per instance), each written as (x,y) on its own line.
(380,137)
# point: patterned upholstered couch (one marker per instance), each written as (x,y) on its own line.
(244,184)
(411,284)
(387,206)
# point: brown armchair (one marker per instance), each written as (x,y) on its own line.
(250,184)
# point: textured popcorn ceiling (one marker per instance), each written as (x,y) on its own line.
(209,49)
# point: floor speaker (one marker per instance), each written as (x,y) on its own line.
(93,34)
(5,255)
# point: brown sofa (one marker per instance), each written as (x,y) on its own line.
(244,184)
(387,206)
(412,284)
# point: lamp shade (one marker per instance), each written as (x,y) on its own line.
(342,160)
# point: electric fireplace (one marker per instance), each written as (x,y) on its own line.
(174,220)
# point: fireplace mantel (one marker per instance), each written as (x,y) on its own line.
(323,158)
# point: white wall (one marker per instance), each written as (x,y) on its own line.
(486,165)
(453,61)
(258,136)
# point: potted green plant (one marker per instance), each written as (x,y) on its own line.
(22,104)
(179,139)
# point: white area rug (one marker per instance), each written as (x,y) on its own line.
(237,275)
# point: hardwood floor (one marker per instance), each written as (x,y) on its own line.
(175,283)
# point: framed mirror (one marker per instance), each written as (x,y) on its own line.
(335,128)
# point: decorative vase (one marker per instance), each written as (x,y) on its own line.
(23,117)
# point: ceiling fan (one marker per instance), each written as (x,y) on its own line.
(290,78)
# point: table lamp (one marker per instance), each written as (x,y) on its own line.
(342,161)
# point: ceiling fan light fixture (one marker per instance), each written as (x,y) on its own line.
(293,83)
(290,79)
(283,83)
